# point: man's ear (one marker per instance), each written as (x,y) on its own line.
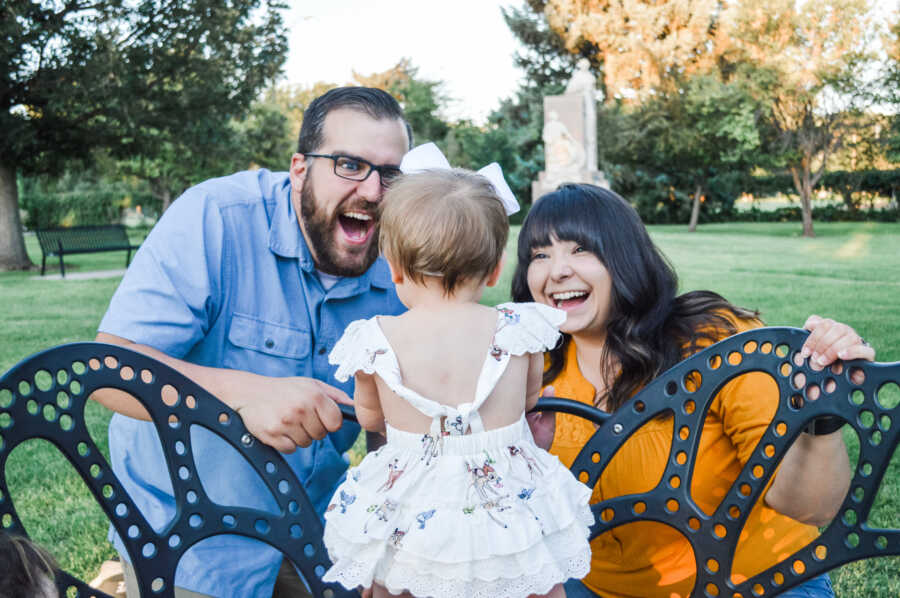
(495,275)
(298,171)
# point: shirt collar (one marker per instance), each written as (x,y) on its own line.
(287,240)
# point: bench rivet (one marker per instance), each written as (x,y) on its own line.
(246,439)
(618,428)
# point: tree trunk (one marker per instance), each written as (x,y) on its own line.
(804,185)
(12,243)
(695,209)
(166,200)
(160,188)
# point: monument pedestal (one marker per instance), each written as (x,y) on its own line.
(570,136)
(546,183)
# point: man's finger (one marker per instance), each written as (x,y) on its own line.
(282,444)
(329,415)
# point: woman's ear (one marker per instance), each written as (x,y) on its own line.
(498,269)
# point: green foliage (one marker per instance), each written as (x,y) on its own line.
(81,198)
(154,82)
(885,183)
(676,144)
(422,102)
(128,75)
(543,56)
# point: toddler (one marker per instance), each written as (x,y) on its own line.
(459,502)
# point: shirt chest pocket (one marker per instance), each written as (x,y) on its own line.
(267,348)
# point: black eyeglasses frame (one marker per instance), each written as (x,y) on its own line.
(392,171)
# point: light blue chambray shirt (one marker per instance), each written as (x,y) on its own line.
(225,279)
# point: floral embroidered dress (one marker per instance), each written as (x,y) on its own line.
(461,511)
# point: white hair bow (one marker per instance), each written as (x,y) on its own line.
(428,156)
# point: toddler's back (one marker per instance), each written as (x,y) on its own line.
(441,354)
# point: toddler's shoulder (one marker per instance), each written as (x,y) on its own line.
(528,327)
(356,350)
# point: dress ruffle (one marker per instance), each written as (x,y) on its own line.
(536,329)
(473,521)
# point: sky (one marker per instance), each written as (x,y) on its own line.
(464,43)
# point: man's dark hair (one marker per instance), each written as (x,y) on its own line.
(375,102)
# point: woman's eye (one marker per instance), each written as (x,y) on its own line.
(538,255)
(579,249)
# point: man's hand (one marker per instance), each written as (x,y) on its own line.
(284,413)
(287,413)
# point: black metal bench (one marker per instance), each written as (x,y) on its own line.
(59,242)
(30,407)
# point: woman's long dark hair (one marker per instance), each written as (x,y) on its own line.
(650,329)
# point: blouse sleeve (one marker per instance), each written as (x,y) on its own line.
(746,405)
(528,327)
(355,350)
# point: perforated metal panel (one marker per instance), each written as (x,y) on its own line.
(685,393)
(30,408)
(44,397)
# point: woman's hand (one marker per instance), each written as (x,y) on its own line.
(829,341)
(543,423)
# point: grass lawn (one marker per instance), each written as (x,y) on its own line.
(851,271)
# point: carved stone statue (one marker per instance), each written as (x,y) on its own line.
(562,151)
(583,79)
(570,135)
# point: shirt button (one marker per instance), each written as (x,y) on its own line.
(322,350)
(269,343)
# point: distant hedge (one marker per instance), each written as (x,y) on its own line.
(664,199)
(832,213)
(48,209)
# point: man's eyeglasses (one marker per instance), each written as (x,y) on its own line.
(357,169)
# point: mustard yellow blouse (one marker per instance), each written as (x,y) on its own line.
(649,559)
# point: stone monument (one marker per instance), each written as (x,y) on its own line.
(570,135)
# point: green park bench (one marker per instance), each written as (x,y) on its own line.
(30,407)
(59,242)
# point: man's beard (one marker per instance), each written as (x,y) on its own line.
(320,230)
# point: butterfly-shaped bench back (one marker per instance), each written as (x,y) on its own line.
(852,391)
(30,408)
(44,397)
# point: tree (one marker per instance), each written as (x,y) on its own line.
(806,61)
(891,83)
(143,79)
(640,43)
(422,99)
(693,132)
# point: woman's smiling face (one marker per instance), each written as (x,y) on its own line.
(567,276)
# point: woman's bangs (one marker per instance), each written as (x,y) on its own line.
(562,218)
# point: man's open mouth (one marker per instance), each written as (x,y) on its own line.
(357,225)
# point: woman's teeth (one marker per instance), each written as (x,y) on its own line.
(558,298)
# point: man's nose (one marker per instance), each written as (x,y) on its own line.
(371,189)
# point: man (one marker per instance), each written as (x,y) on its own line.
(244,285)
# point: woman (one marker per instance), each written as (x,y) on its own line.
(584,249)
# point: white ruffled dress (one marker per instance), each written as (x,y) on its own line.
(484,514)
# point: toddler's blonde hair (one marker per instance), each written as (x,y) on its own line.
(446,223)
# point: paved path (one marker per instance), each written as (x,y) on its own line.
(82,275)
